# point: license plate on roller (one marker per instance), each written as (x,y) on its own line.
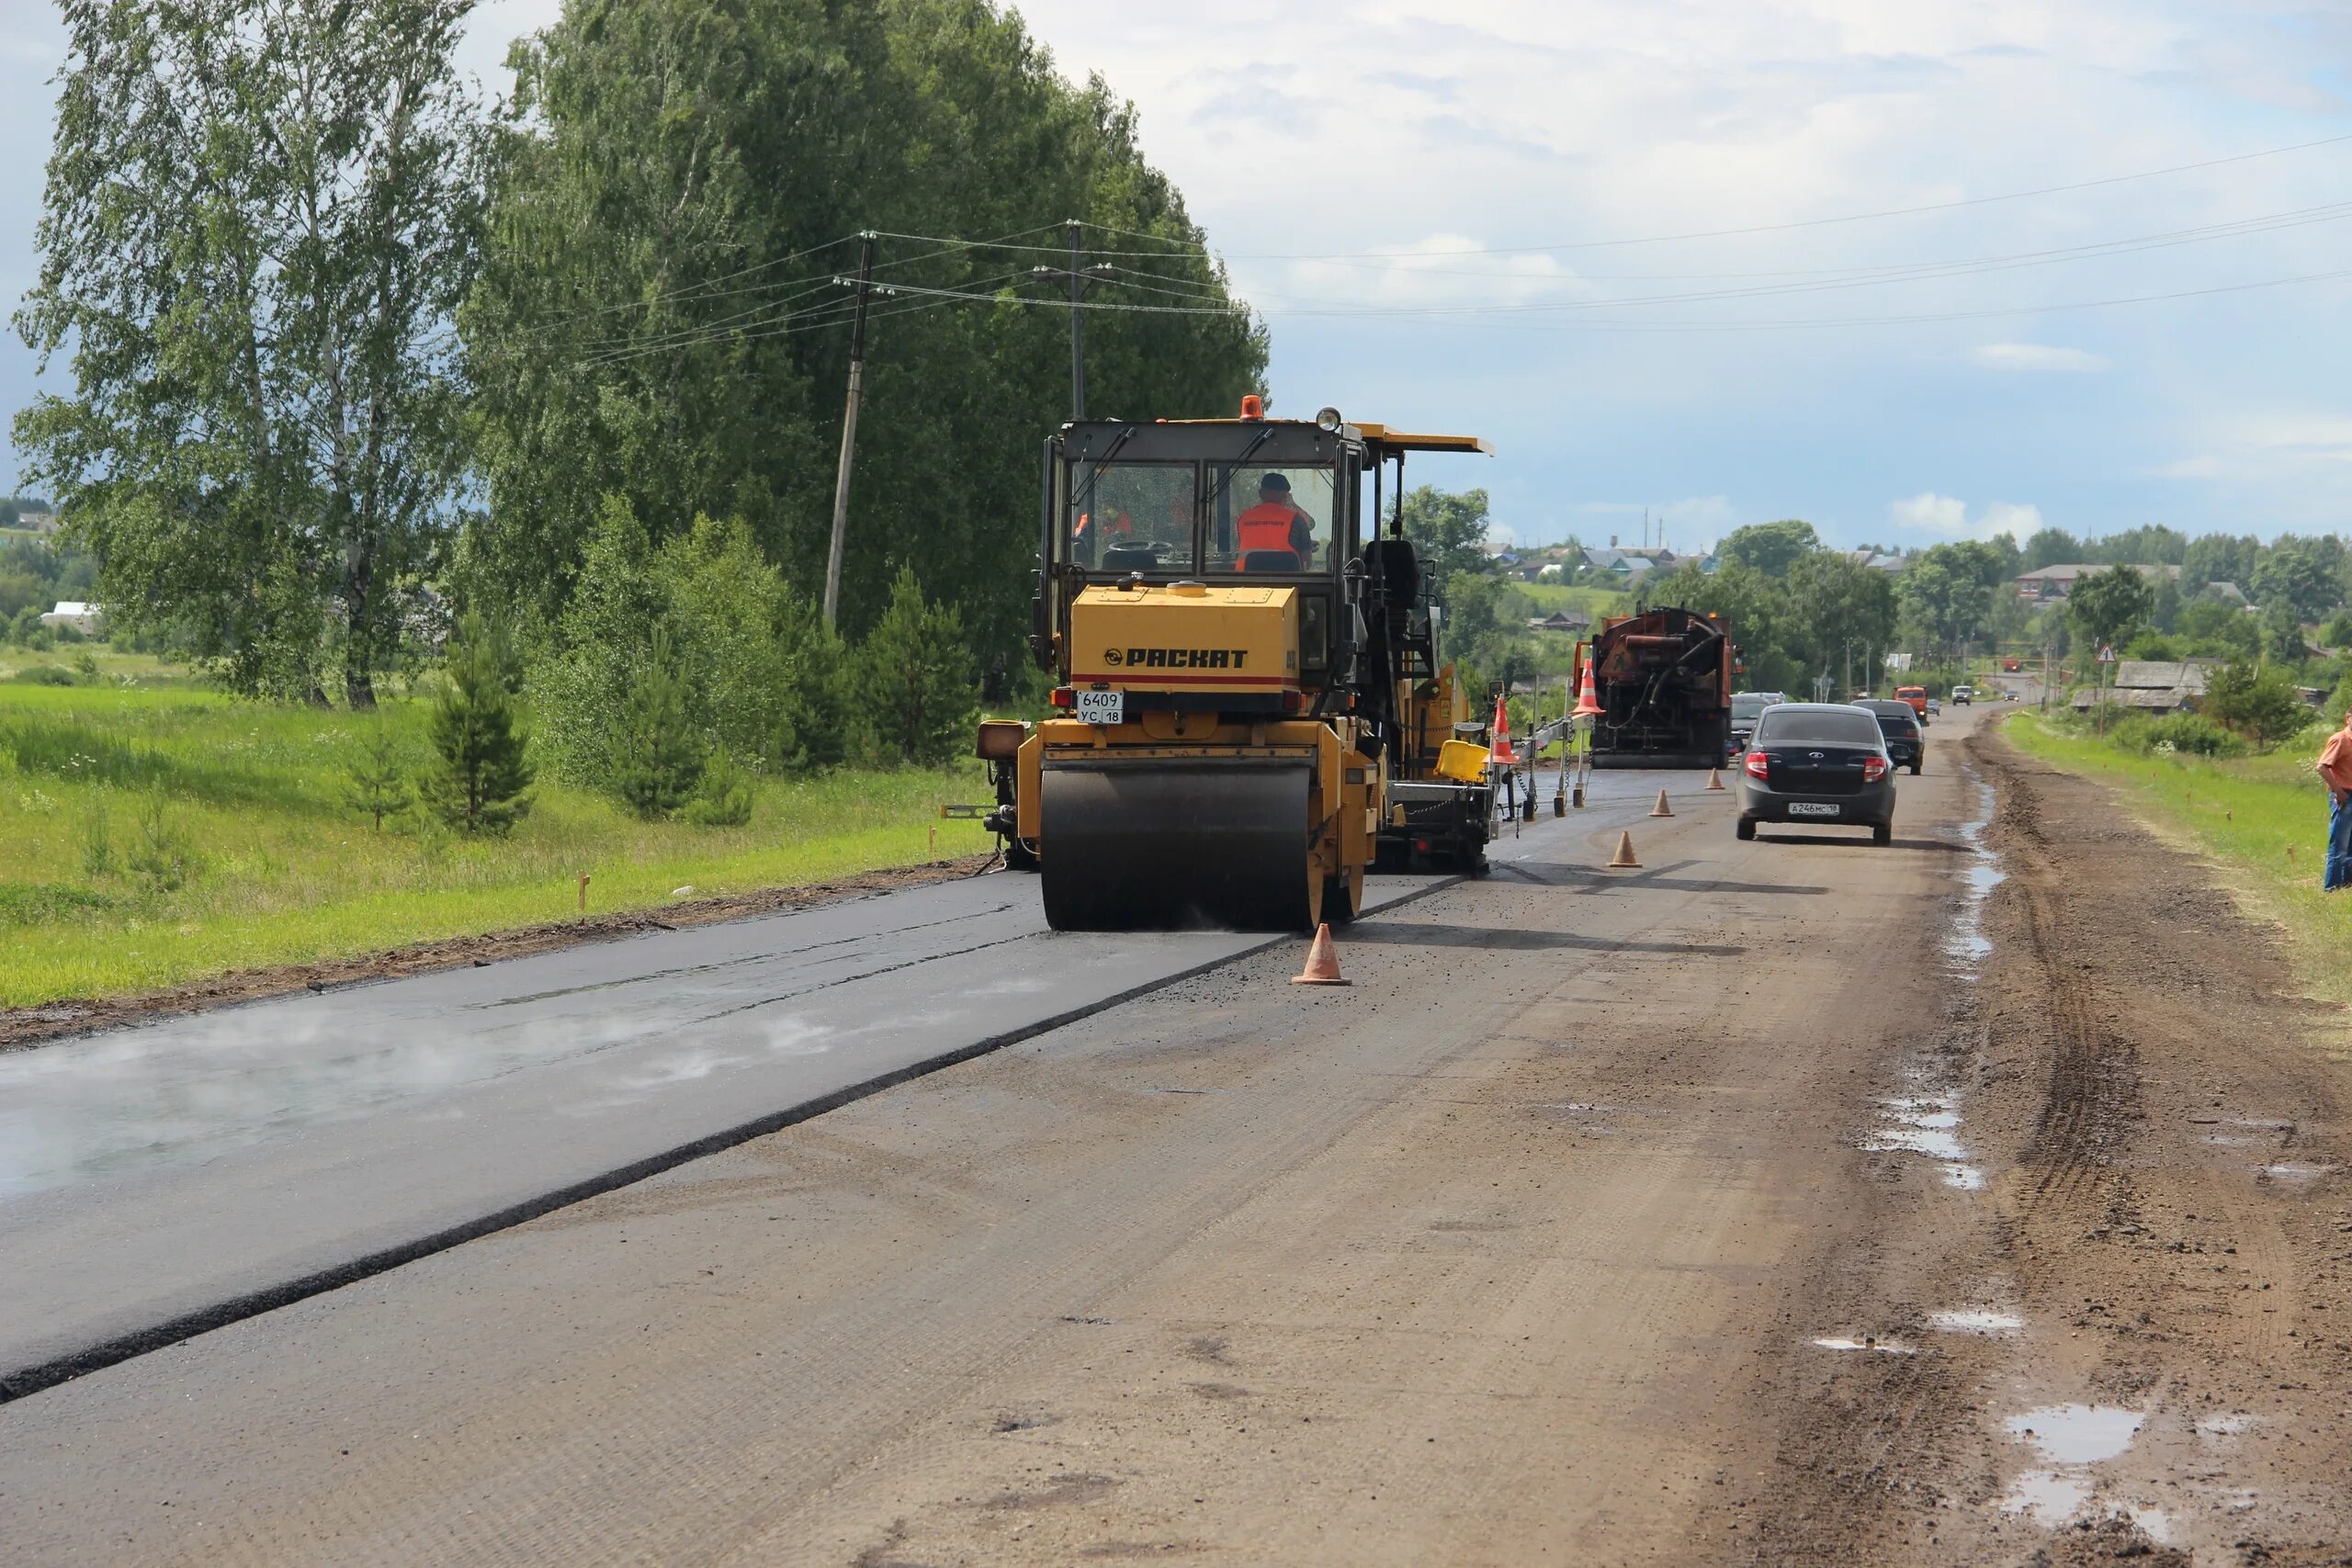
(1813,808)
(1103,707)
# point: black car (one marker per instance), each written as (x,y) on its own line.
(1899,723)
(1818,763)
(1746,708)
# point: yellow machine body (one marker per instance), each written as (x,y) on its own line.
(1176,652)
(1186,636)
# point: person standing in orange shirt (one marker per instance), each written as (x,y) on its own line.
(2335,767)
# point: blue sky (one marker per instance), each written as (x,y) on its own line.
(1382,191)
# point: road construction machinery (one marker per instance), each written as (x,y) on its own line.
(1220,620)
(1440,795)
(1663,680)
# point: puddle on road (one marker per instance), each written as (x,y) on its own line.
(2230,1423)
(1975,1320)
(2078,1434)
(2047,1498)
(1967,945)
(2291,1172)
(2069,1439)
(1927,1124)
(1883,1347)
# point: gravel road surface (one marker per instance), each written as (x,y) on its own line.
(1971,1200)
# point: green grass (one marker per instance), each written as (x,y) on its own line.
(150,836)
(1594,602)
(113,669)
(2246,814)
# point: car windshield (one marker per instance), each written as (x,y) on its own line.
(1832,727)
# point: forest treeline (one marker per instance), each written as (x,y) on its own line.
(352,351)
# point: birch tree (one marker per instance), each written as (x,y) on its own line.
(259,218)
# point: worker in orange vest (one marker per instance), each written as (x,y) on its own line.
(1274,524)
(1118,529)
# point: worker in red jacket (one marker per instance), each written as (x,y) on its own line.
(2335,769)
(1117,528)
(1275,525)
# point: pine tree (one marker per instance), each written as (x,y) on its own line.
(660,758)
(481,779)
(917,676)
(376,781)
(724,797)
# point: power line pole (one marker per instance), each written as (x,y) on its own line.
(849,427)
(1080,278)
(1076,330)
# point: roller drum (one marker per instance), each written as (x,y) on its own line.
(1164,845)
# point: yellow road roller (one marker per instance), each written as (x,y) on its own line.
(1215,600)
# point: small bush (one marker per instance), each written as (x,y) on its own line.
(2180,734)
(45,675)
(2259,704)
(376,781)
(164,857)
(481,781)
(97,839)
(917,677)
(658,760)
(32,903)
(724,797)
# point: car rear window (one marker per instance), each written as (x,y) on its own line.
(1835,727)
(1895,723)
(1746,706)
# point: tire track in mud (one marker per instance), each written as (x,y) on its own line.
(2092,1092)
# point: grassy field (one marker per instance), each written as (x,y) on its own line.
(105,666)
(2262,819)
(1594,602)
(154,835)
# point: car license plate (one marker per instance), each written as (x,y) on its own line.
(1813,808)
(1103,707)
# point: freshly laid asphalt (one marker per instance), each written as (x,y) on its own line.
(159,1180)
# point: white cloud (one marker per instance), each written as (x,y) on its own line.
(1928,512)
(2035,356)
(1947,517)
(2005,517)
(1435,270)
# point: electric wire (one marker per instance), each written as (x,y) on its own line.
(834,312)
(692,288)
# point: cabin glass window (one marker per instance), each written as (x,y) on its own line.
(1127,517)
(1271,518)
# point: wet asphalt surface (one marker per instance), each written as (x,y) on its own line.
(161,1180)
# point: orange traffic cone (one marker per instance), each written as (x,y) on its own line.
(1587,700)
(1661,809)
(1623,859)
(1322,962)
(1714,778)
(1501,750)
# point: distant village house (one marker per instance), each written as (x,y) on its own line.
(2057,582)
